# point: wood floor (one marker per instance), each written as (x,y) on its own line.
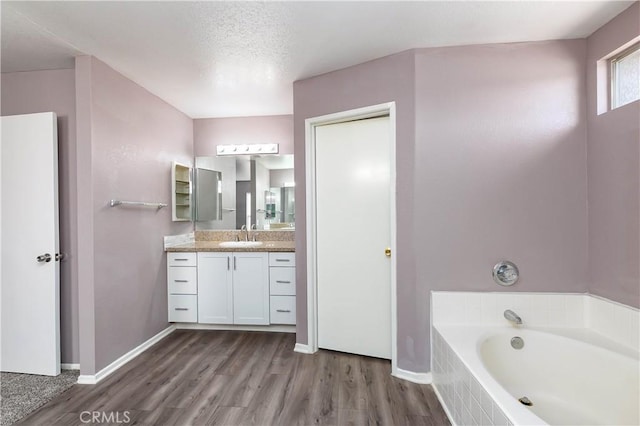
(245,378)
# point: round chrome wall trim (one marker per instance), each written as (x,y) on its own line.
(505,273)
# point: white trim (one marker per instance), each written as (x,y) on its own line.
(89,379)
(302,348)
(270,328)
(421,378)
(443,405)
(64,366)
(310,174)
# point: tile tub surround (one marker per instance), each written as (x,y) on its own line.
(462,397)
(585,317)
(584,312)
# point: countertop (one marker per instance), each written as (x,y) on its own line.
(282,246)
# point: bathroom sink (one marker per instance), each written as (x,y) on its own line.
(240,244)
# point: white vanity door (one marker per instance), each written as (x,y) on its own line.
(251,288)
(215,288)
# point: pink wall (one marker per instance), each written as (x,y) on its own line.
(491,165)
(41,91)
(211,132)
(614,177)
(500,139)
(382,80)
(130,142)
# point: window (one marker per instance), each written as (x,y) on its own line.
(625,77)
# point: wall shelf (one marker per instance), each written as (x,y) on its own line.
(181,192)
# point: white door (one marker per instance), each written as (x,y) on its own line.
(353,214)
(30,290)
(251,288)
(215,288)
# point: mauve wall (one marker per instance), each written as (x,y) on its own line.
(43,91)
(379,81)
(211,132)
(134,137)
(491,165)
(500,140)
(613,175)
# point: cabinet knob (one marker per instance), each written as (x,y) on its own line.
(387,252)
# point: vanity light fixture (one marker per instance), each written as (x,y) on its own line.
(253,149)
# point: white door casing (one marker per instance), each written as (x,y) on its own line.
(30,290)
(354,238)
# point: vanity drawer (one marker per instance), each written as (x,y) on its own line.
(282,259)
(182,280)
(282,281)
(181,259)
(183,308)
(283,310)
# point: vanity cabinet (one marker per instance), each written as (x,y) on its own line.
(233,288)
(215,294)
(243,288)
(282,288)
(182,286)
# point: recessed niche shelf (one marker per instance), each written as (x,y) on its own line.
(181,191)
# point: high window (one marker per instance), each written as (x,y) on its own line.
(625,76)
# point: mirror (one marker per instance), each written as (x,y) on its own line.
(208,184)
(250,190)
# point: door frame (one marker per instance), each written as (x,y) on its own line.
(380,110)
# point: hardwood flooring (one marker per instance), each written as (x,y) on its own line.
(244,378)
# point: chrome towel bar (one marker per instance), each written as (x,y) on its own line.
(113,203)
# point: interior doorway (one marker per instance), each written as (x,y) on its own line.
(351,267)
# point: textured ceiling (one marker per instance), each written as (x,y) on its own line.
(219,59)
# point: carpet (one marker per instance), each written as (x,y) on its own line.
(20,394)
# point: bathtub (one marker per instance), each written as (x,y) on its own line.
(572,376)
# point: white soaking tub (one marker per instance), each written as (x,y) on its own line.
(571,377)
(569,382)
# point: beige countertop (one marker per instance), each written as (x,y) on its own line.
(282,246)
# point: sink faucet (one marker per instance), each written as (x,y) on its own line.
(246,231)
(513,317)
(253,227)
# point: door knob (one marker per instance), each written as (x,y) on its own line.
(44,258)
(387,252)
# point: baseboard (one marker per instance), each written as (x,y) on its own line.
(64,366)
(444,406)
(302,348)
(421,378)
(272,328)
(88,379)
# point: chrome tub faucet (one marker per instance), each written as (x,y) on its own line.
(513,317)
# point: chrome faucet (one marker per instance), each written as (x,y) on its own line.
(513,317)
(246,231)
(253,227)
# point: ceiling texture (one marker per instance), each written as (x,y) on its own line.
(224,59)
